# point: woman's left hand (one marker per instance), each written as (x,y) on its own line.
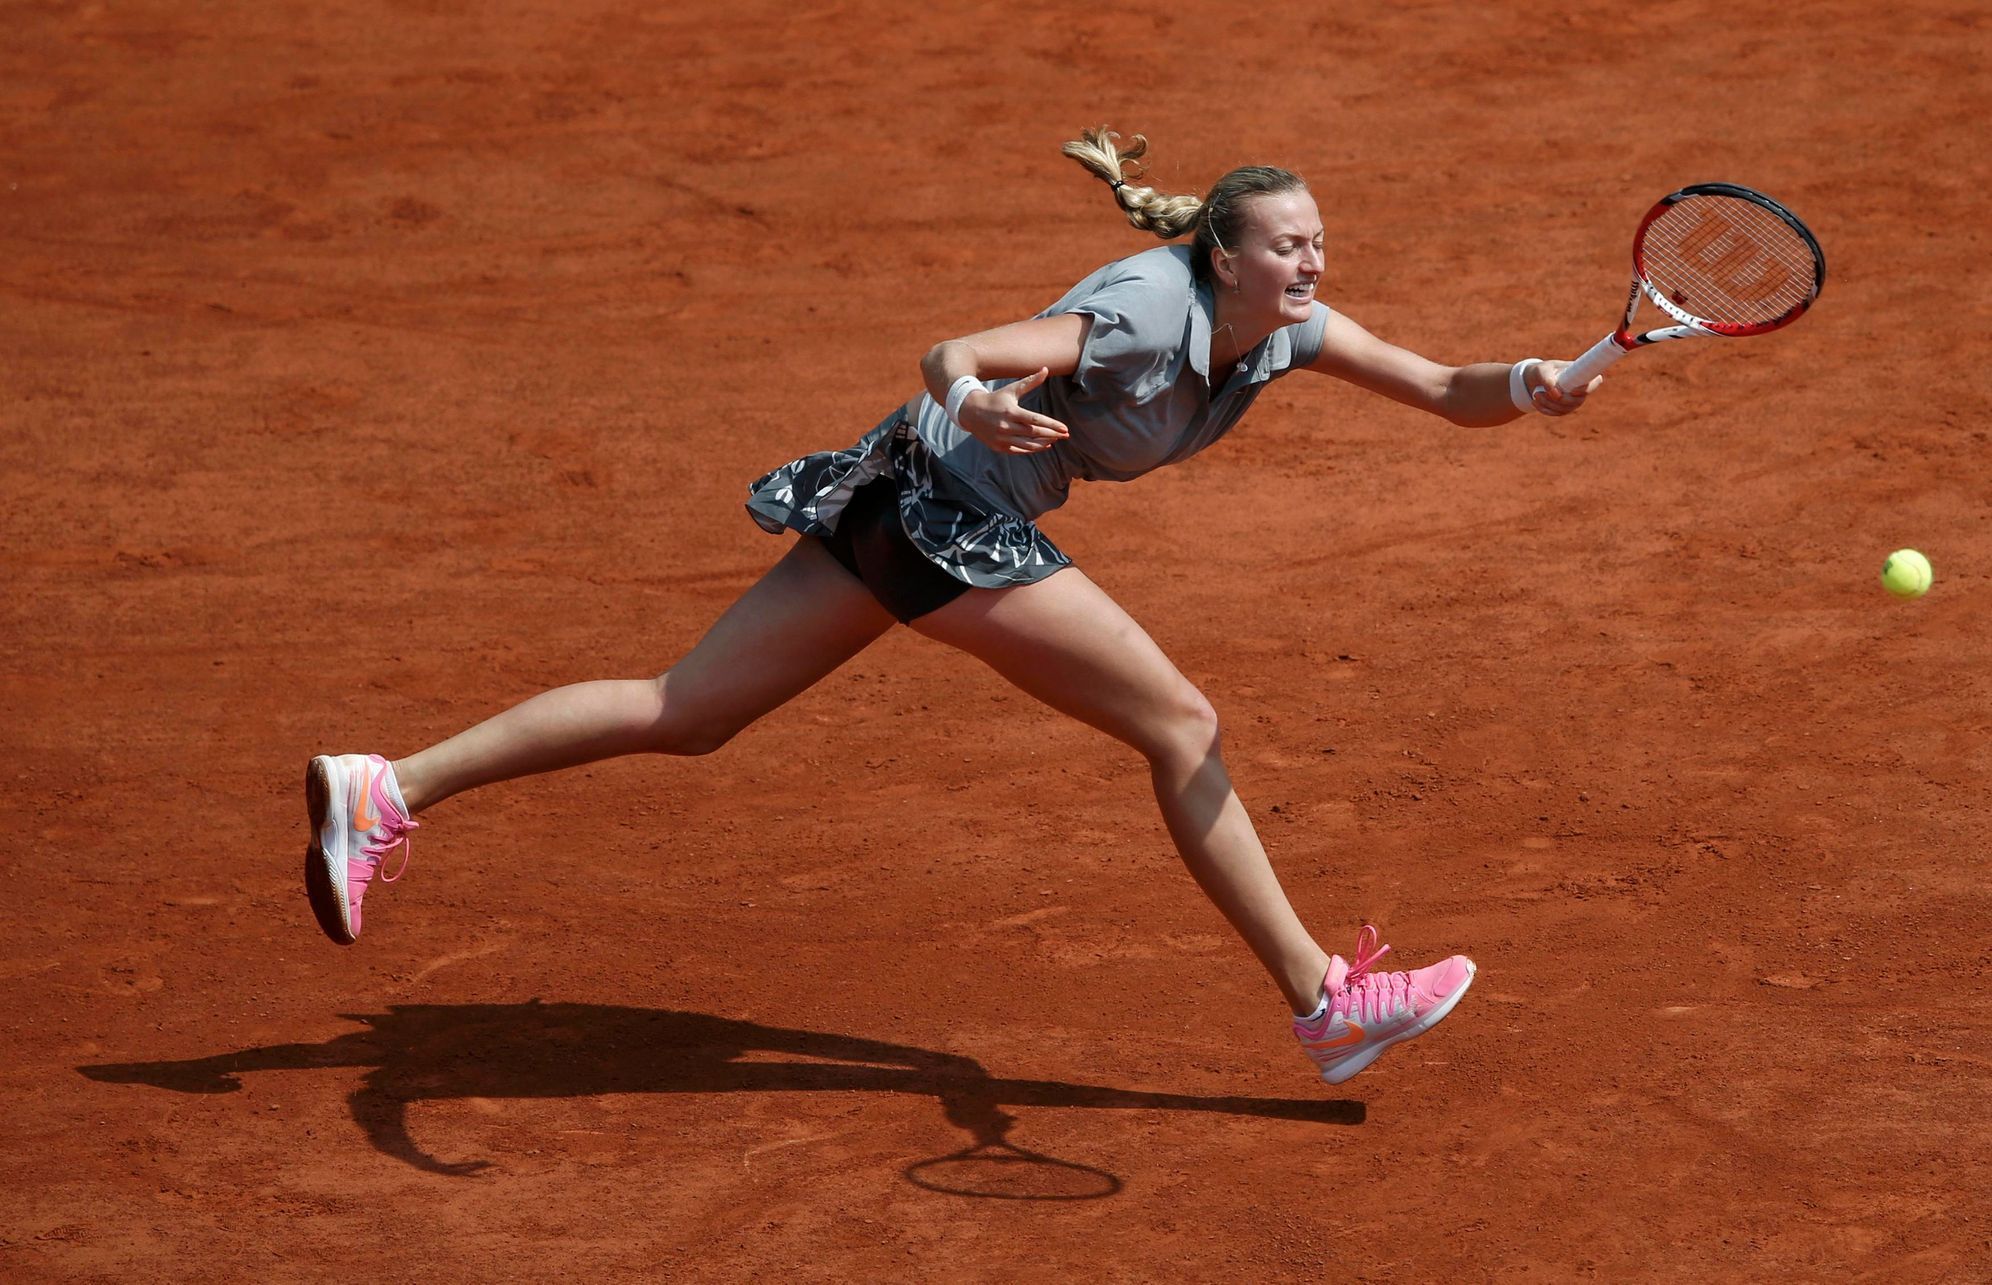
(1549,397)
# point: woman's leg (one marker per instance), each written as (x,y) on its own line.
(1064,641)
(800,621)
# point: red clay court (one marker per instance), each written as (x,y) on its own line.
(369,367)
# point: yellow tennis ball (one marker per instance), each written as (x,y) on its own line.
(1906,574)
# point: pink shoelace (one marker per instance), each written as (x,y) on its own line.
(397,828)
(1361,992)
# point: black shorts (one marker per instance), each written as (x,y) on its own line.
(872,545)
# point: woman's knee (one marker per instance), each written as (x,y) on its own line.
(1187,730)
(683,728)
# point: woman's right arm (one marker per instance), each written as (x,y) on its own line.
(1029,352)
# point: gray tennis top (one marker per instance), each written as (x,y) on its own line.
(1143,395)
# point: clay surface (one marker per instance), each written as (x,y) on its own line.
(369,367)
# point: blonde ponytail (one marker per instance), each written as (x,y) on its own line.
(1100,152)
(1216,219)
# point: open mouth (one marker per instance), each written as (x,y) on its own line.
(1300,290)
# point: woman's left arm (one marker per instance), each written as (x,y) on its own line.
(1476,396)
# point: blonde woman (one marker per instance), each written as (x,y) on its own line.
(928,521)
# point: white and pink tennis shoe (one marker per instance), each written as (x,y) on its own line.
(357,818)
(1367,1011)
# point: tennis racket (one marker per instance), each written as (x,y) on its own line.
(1723,261)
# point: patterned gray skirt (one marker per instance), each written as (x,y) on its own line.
(946,520)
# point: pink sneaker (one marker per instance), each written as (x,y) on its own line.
(1368,1011)
(357,818)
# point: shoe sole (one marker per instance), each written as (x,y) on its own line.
(1344,1070)
(320,887)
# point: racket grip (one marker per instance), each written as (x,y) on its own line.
(1586,368)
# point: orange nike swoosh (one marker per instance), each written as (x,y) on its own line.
(1354,1035)
(361,821)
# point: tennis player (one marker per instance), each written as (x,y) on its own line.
(928,520)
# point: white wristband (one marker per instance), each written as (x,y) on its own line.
(1518,384)
(958,393)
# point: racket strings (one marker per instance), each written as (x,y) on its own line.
(1729,261)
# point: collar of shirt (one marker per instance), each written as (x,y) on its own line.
(1203,320)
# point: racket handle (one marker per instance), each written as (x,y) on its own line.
(1586,368)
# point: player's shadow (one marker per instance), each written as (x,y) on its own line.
(434,1052)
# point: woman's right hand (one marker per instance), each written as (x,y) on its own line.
(994,418)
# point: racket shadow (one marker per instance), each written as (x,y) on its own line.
(438,1052)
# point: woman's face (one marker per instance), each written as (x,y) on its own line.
(1277,262)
